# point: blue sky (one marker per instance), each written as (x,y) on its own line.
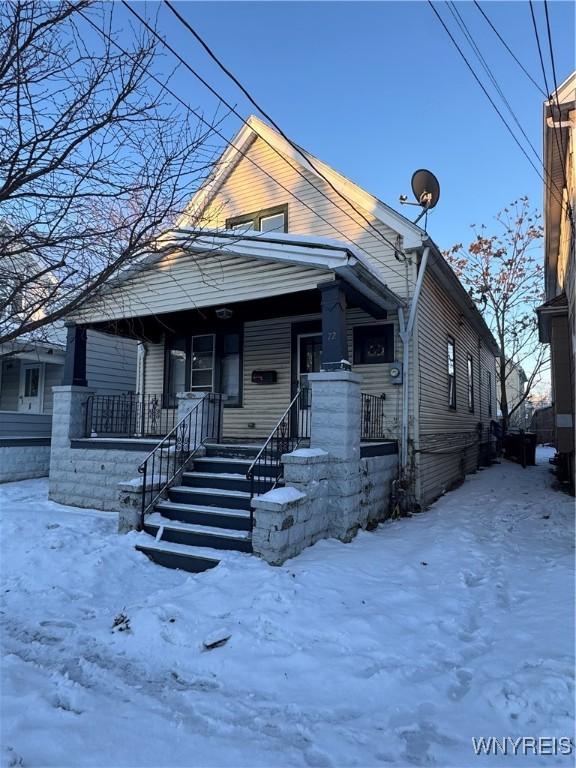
(377,90)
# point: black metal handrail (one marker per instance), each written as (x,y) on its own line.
(373,419)
(166,462)
(130,415)
(293,427)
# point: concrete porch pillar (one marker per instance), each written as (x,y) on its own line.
(336,399)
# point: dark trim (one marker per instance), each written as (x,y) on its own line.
(9,442)
(389,448)
(75,360)
(143,446)
(256,216)
(359,331)
(308,326)
(238,329)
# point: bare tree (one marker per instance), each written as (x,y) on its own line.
(504,276)
(94,161)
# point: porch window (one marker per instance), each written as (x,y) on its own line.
(470,384)
(231,369)
(175,370)
(31,382)
(373,344)
(266,220)
(451,360)
(202,374)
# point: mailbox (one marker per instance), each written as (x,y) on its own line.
(264,377)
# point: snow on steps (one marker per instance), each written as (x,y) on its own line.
(182,556)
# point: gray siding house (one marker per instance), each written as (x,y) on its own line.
(303,372)
(28,373)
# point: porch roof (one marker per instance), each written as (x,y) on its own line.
(193,269)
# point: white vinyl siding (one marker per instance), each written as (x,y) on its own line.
(248,189)
(191,281)
(448,439)
(267,345)
(110,363)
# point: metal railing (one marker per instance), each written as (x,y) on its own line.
(373,422)
(292,428)
(166,462)
(130,415)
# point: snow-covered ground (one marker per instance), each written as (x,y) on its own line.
(395,649)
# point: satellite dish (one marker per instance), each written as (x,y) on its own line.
(426,188)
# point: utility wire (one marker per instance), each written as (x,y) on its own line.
(550,97)
(498,112)
(550,46)
(510,51)
(202,119)
(466,31)
(294,146)
(241,117)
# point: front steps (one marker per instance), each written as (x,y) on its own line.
(206,515)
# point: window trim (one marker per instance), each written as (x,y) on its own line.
(239,330)
(256,217)
(489,374)
(451,342)
(470,372)
(359,330)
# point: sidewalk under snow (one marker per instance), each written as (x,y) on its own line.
(395,649)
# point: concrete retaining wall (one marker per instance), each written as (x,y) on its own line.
(23,458)
(85,477)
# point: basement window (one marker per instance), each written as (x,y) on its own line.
(373,344)
(266,220)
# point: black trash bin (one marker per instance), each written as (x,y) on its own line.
(521,447)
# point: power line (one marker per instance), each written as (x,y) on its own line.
(550,97)
(510,51)
(241,117)
(554,73)
(464,28)
(201,118)
(234,79)
(499,113)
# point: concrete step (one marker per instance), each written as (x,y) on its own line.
(199,514)
(245,451)
(198,535)
(210,497)
(179,556)
(227,465)
(223,481)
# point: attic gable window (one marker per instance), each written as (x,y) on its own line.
(266,220)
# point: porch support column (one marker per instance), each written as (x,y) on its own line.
(75,362)
(334,337)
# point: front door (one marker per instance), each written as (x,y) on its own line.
(31,387)
(309,361)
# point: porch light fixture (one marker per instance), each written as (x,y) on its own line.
(224,313)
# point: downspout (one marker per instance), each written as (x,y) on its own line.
(141,366)
(406,336)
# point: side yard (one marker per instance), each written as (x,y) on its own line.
(395,649)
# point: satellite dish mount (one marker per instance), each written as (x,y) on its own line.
(426,190)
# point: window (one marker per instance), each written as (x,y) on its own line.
(267,220)
(31,382)
(470,364)
(175,367)
(373,344)
(451,360)
(202,372)
(231,369)
(489,375)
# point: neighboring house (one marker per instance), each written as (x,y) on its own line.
(557,317)
(515,388)
(318,332)
(29,371)
(542,423)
